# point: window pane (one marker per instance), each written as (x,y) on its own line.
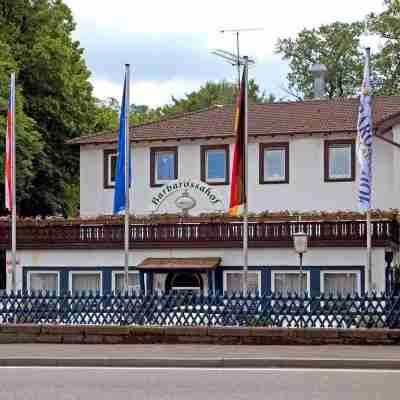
(274,164)
(133,281)
(234,280)
(215,164)
(43,281)
(343,283)
(112,163)
(289,282)
(340,161)
(165,166)
(85,282)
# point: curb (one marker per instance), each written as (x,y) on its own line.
(306,363)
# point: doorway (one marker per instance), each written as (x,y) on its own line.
(184,282)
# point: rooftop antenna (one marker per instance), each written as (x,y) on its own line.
(238,61)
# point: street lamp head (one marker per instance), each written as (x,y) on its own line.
(300,242)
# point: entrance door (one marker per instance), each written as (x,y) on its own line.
(184,281)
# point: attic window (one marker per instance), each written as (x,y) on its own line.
(339,160)
(274,163)
(110,161)
(163,165)
(215,164)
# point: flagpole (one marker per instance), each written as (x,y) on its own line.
(369,230)
(127,158)
(246,173)
(14,202)
(369,251)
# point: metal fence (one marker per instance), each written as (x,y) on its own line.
(188,309)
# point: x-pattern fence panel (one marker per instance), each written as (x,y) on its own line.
(188,309)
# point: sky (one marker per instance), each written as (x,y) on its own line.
(168,43)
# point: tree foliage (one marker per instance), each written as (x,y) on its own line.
(337,46)
(29,143)
(55,93)
(386,63)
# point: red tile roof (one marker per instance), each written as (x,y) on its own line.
(312,116)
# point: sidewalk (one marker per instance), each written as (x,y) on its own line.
(202,356)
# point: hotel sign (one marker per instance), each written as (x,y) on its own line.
(185,187)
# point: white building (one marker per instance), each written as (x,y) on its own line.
(301,159)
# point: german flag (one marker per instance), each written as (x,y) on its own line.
(238,191)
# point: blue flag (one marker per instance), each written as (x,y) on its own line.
(119,193)
(364,142)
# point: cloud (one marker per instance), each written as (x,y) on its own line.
(168,43)
(152,93)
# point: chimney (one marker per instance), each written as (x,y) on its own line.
(319,72)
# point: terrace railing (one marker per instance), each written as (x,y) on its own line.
(200,235)
(186,309)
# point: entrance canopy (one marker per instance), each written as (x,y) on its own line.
(171,264)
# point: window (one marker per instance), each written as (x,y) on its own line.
(340,282)
(339,160)
(163,165)
(85,281)
(43,281)
(274,163)
(233,280)
(133,281)
(215,164)
(110,161)
(289,282)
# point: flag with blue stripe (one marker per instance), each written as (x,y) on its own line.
(119,193)
(364,142)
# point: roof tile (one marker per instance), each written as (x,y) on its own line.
(312,116)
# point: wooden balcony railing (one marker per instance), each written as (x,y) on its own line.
(198,235)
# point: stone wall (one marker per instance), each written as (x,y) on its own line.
(85,334)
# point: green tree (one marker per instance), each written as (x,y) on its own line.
(106,115)
(337,46)
(57,94)
(386,63)
(212,93)
(29,143)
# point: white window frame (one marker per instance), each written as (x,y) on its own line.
(114,278)
(71,273)
(28,278)
(109,167)
(215,180)
(347,146)
(291,271)
(341,271)
(230,271)
(158,181)
(275,178)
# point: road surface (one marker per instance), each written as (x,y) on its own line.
(195,384)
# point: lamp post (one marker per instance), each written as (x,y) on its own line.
(389,270)
(300,242)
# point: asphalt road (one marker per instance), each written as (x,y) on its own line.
(195,384)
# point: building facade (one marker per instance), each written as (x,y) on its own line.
(302,161)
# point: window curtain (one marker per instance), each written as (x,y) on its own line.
(340,283)
(85,282)
(274,164)
(234,281)
(289,282)
(133,281)
(43,281)
(340,164)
